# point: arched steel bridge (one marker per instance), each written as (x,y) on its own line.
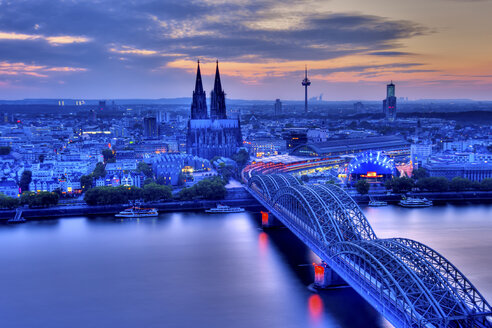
(408,282)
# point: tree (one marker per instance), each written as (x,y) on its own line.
(153,192)
(420,173)
(7,202)
(99,171)
(486,185)
(40,199)
(400,185)
(148,181)
(25,180)
(109,155)
(362,187)
(241,157)
(145,169)
(5,150)
(438,184)
(86,182)
(213,188)
(460,184)
(112,195)
(226,171)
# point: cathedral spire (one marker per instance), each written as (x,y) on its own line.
(217,101)
(199,104)
(198,83)
(217,84)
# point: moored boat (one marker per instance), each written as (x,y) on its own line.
(225,209)
(137,212)
(415,202)
(377,203)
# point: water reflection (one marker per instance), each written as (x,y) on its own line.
(195,270)
(315,306)
(263,242)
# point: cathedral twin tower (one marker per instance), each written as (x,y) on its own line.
(214,135)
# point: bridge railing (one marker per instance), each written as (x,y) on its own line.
(409,283)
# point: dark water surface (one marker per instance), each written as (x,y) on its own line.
(197,270)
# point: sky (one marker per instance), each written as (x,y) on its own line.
(116,49)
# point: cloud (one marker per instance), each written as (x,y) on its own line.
(205,28)
(53,40)
(150,39)
(390,53)
(126,50)
(19,68)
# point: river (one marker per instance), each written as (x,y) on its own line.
(189,269)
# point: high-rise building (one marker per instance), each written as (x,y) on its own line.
(389,104)
(150,128)
(306,83)
(102,105)
(214,136)
(163,116)
(278,107)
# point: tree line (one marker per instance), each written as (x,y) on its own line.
(124,194)
(33,200)
(421,180)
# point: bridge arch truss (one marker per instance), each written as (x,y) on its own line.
(407,281)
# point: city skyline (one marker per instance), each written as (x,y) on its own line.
(114,50)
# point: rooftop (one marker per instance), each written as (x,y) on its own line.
(359,144)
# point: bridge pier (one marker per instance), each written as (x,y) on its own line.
(325,277)
(269,221)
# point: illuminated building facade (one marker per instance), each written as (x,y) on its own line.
(216,135)
(371,166)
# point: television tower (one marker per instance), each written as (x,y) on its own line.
(306,83)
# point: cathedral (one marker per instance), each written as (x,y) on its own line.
(211,135)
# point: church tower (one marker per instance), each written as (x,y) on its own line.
(217,98)
(199,104)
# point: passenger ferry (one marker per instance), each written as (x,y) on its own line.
(415,202)
(137,212)
(377,203)
(225,209)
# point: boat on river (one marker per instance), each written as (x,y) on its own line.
(137,212)
(415,202)
(376,203)
(225,209)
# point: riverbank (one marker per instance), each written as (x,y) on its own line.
(238,197)
(235,197)
(435,197)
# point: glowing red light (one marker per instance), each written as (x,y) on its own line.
(18,121)
(319,269)
(264,218)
